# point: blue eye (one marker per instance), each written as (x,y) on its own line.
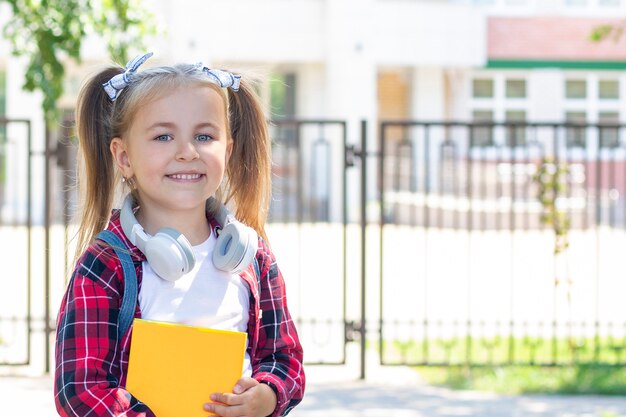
(203,138)
(163,138)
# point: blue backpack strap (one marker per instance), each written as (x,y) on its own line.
(129,299)
(257,269)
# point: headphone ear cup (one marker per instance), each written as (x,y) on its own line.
(236,246)
(169,254)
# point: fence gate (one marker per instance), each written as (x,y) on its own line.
(311,234)
(16,242)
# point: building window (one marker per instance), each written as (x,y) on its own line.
(608,89)
(515,135)
(576,136)
(576,89)
(482,88)
(499,97)
(609,131)
(481,135)
(515,88)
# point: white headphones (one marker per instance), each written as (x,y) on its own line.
(170,254)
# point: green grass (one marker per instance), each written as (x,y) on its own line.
(517,365)
(506,351)
(577,379)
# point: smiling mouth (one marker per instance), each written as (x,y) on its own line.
(186,177)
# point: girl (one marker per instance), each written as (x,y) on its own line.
(175,136)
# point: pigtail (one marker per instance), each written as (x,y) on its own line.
(97,176)
(248,170)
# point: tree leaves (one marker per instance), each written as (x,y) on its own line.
(604,32)
(49,32)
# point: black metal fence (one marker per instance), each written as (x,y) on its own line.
(459,267)
(468,270)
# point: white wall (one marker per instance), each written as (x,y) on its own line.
(427,33)
(547,84)
(428,94)
(392,31)
(266,31)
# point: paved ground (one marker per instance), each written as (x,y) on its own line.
(398,392)
(387,392)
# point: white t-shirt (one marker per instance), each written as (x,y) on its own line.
(204,297)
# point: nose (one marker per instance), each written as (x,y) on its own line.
(187,151)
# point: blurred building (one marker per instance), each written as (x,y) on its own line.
(469,60)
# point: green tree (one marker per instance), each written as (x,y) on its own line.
(552,179)
(49,32)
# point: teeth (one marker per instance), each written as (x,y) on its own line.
(185,176)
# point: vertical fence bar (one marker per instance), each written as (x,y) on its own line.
(47,240)
(427,221)
(381,261)
(512,214)
(555,152)
(470,213)
(363,327)
(300,175)
(598,196)
(344,308)
(596,339)
(29,238)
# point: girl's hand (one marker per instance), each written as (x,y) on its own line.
(249,399)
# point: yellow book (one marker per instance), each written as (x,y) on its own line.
(174,368)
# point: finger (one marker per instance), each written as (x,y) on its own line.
(244,384)
(226,398)
(223,410)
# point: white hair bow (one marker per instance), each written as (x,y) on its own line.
(115,85)
(224,79)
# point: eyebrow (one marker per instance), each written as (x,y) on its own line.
(170,125)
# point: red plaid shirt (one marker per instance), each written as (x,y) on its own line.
(91,363)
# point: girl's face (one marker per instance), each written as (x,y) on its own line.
(176,149)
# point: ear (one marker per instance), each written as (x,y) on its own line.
(119,151)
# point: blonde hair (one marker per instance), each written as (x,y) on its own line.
(98,120)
